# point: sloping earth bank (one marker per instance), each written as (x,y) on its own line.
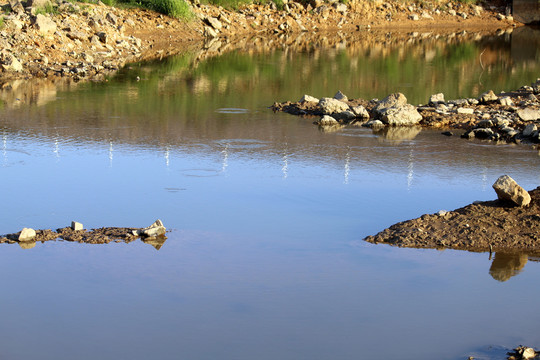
(84,40)
(482,226)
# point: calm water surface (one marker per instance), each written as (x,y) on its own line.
(265,258)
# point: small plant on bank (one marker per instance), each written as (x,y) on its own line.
(175,8)
(1,22)
(47,9)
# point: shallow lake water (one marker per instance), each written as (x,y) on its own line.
(266,212)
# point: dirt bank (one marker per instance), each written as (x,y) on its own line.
(89,41)
(483,226)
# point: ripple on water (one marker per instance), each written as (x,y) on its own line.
(232,111)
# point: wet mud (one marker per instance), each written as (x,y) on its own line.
(494,226)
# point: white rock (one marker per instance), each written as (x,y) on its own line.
(506,101)
(213,22)
(76,226)
(44,24)
(507,189)
(528,114)
(156,229)
(436,99)
(404,115)
(27,234)
(488,96)
(308,98)
(465,111)
(391,101)
(360,111)
(331,106)
(528,353)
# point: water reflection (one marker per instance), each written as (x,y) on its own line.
(506,265)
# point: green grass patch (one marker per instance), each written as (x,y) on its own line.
(47,9)
(1,22)
(229,4)
(175,8)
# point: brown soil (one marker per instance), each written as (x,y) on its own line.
(483,226)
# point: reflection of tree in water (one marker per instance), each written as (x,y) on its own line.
(506,265)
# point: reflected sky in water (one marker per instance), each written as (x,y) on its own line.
(265,258)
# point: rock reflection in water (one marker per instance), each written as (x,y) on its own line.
(398,134)
(506,265)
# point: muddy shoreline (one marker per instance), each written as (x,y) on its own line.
(488,226)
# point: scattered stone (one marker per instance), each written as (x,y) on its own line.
(327,120)
(360,111)
(340,96)
(447,133)
(507,189)
(465,111)
(44,24)
(102,36)
(482,133)
(414,17)
(404,115)
(436,99)
(308,98)
(529,130)
(391,101)
(10,62)
(154,230)
(26,234)
(506,101)
(452,12)
(528,114)
(213,22)
(113,19)
(374,124)
(76,226)
(331,106)
(488,97)
(500,17)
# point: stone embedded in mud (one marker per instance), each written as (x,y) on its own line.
(404,115)
(26,234)
(44,24)
(309,98)
(528,114)
(327,120)
(507,189)
(331,106)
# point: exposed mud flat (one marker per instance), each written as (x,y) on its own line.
(482,226)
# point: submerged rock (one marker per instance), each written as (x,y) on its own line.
(309,98)
(327,120)
(508,189)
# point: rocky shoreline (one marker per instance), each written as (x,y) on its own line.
(62,39)
(508,117)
